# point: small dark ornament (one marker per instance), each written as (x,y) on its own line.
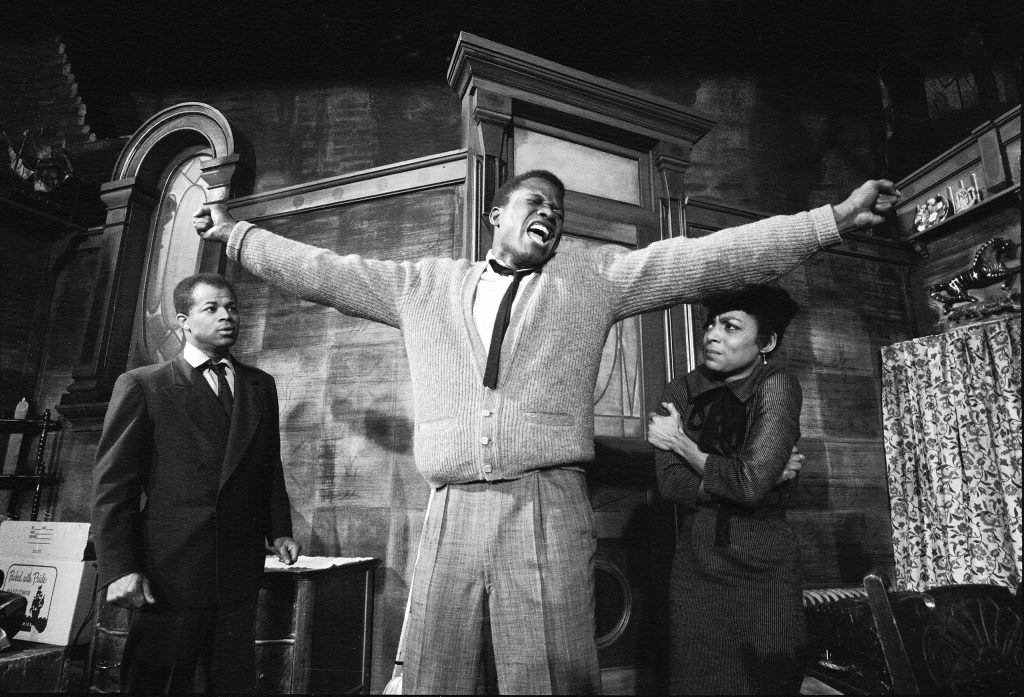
(987,269)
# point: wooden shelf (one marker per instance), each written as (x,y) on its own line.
(27,425)
(38,429)
(958,220)
(14,481)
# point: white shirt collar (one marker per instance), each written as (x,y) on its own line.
(195,358)
(487,265)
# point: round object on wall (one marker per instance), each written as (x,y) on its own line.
(931,212)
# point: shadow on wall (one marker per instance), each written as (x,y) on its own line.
(853,559)
(363,511)
(649,545)
(389,432)
(636,539)
(366,509)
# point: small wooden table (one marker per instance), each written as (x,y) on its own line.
(314,629)
(314,626)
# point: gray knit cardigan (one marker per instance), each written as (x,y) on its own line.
(542,413)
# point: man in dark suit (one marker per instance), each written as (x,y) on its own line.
(188,495)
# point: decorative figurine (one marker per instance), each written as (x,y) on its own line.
(966,196)
(931,212)
(987,269)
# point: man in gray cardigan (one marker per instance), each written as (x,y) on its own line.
(503,442)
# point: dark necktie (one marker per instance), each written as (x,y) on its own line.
(501,320)
(223,391)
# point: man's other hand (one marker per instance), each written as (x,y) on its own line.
(213,222)
(867,206)
(287,549)
(131,590)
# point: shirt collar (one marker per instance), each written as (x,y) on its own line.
(488,271)
(702,380)
(195,358)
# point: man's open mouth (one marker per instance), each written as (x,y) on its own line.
(540,232)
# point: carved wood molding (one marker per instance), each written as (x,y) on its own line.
(503,89)
(443,169)
(202,119)
(479,63)
(131,198)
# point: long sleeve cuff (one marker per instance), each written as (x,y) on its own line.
(824,221)
(238,233)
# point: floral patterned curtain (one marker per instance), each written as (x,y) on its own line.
(951,406)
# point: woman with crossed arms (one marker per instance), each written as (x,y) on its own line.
(722,442)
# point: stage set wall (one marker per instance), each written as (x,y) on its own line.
(346,407)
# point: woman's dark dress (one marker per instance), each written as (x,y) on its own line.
(736,603)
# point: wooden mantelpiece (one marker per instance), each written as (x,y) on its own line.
(991,154)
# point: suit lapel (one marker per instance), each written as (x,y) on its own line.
(190,391)
(245,417)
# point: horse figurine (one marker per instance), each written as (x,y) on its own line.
(987,269)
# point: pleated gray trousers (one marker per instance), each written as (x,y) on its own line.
(521,551)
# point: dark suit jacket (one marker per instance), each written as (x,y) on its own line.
(213,490)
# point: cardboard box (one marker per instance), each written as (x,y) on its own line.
(45,562)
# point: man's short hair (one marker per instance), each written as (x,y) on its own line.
(183,291)
(502,195)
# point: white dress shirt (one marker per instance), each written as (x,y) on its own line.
(489,291)
(196,358)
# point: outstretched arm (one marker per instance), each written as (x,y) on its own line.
(867,206)
(367,288)
(213,222)
(683,269)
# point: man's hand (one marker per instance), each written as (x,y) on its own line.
(867,206)
(131,590)
(213,222)
(796,461)
(287,549)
